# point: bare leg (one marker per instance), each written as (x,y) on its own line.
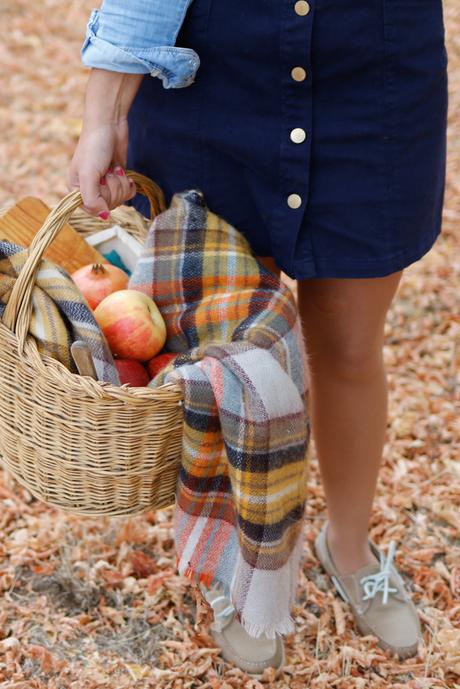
(343,321)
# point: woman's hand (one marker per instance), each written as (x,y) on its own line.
(97,166)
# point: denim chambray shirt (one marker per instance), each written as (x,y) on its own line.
(137,37)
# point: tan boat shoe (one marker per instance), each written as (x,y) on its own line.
(378,599)
(249,653)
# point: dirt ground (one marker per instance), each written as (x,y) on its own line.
(91,603)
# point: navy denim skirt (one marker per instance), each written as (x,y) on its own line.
(316,128)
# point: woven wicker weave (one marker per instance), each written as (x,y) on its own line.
(84,446)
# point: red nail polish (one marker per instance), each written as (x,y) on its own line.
(103,181)
(131,183)
(119,171)
(109,171)
(104,215)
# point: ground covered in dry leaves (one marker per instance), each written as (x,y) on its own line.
(89,603)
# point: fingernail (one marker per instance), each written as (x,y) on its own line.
(104,215)
(119,171)
(103,181)
(131,183)
(109,171)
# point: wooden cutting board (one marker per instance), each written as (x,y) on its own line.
(69,250)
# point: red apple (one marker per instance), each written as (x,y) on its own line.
(158,362)
(132,324)
(132,372)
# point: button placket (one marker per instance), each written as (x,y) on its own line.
(298,134)
(296,140)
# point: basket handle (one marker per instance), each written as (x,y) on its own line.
(18,310)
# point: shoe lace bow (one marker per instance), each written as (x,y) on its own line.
(380,581)
(221,615)
(215,601)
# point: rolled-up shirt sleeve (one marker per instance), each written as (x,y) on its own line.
(138,37)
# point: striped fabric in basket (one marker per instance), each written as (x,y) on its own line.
(60,314)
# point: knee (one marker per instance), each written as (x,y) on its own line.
(349,360)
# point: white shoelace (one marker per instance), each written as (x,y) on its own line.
(220,616)
(380,581)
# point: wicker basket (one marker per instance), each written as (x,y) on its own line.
(84,446)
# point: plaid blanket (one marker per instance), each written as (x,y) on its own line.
(60,315)
(243,369)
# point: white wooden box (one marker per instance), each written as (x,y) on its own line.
(115,238)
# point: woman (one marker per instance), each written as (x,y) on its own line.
(318,129)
